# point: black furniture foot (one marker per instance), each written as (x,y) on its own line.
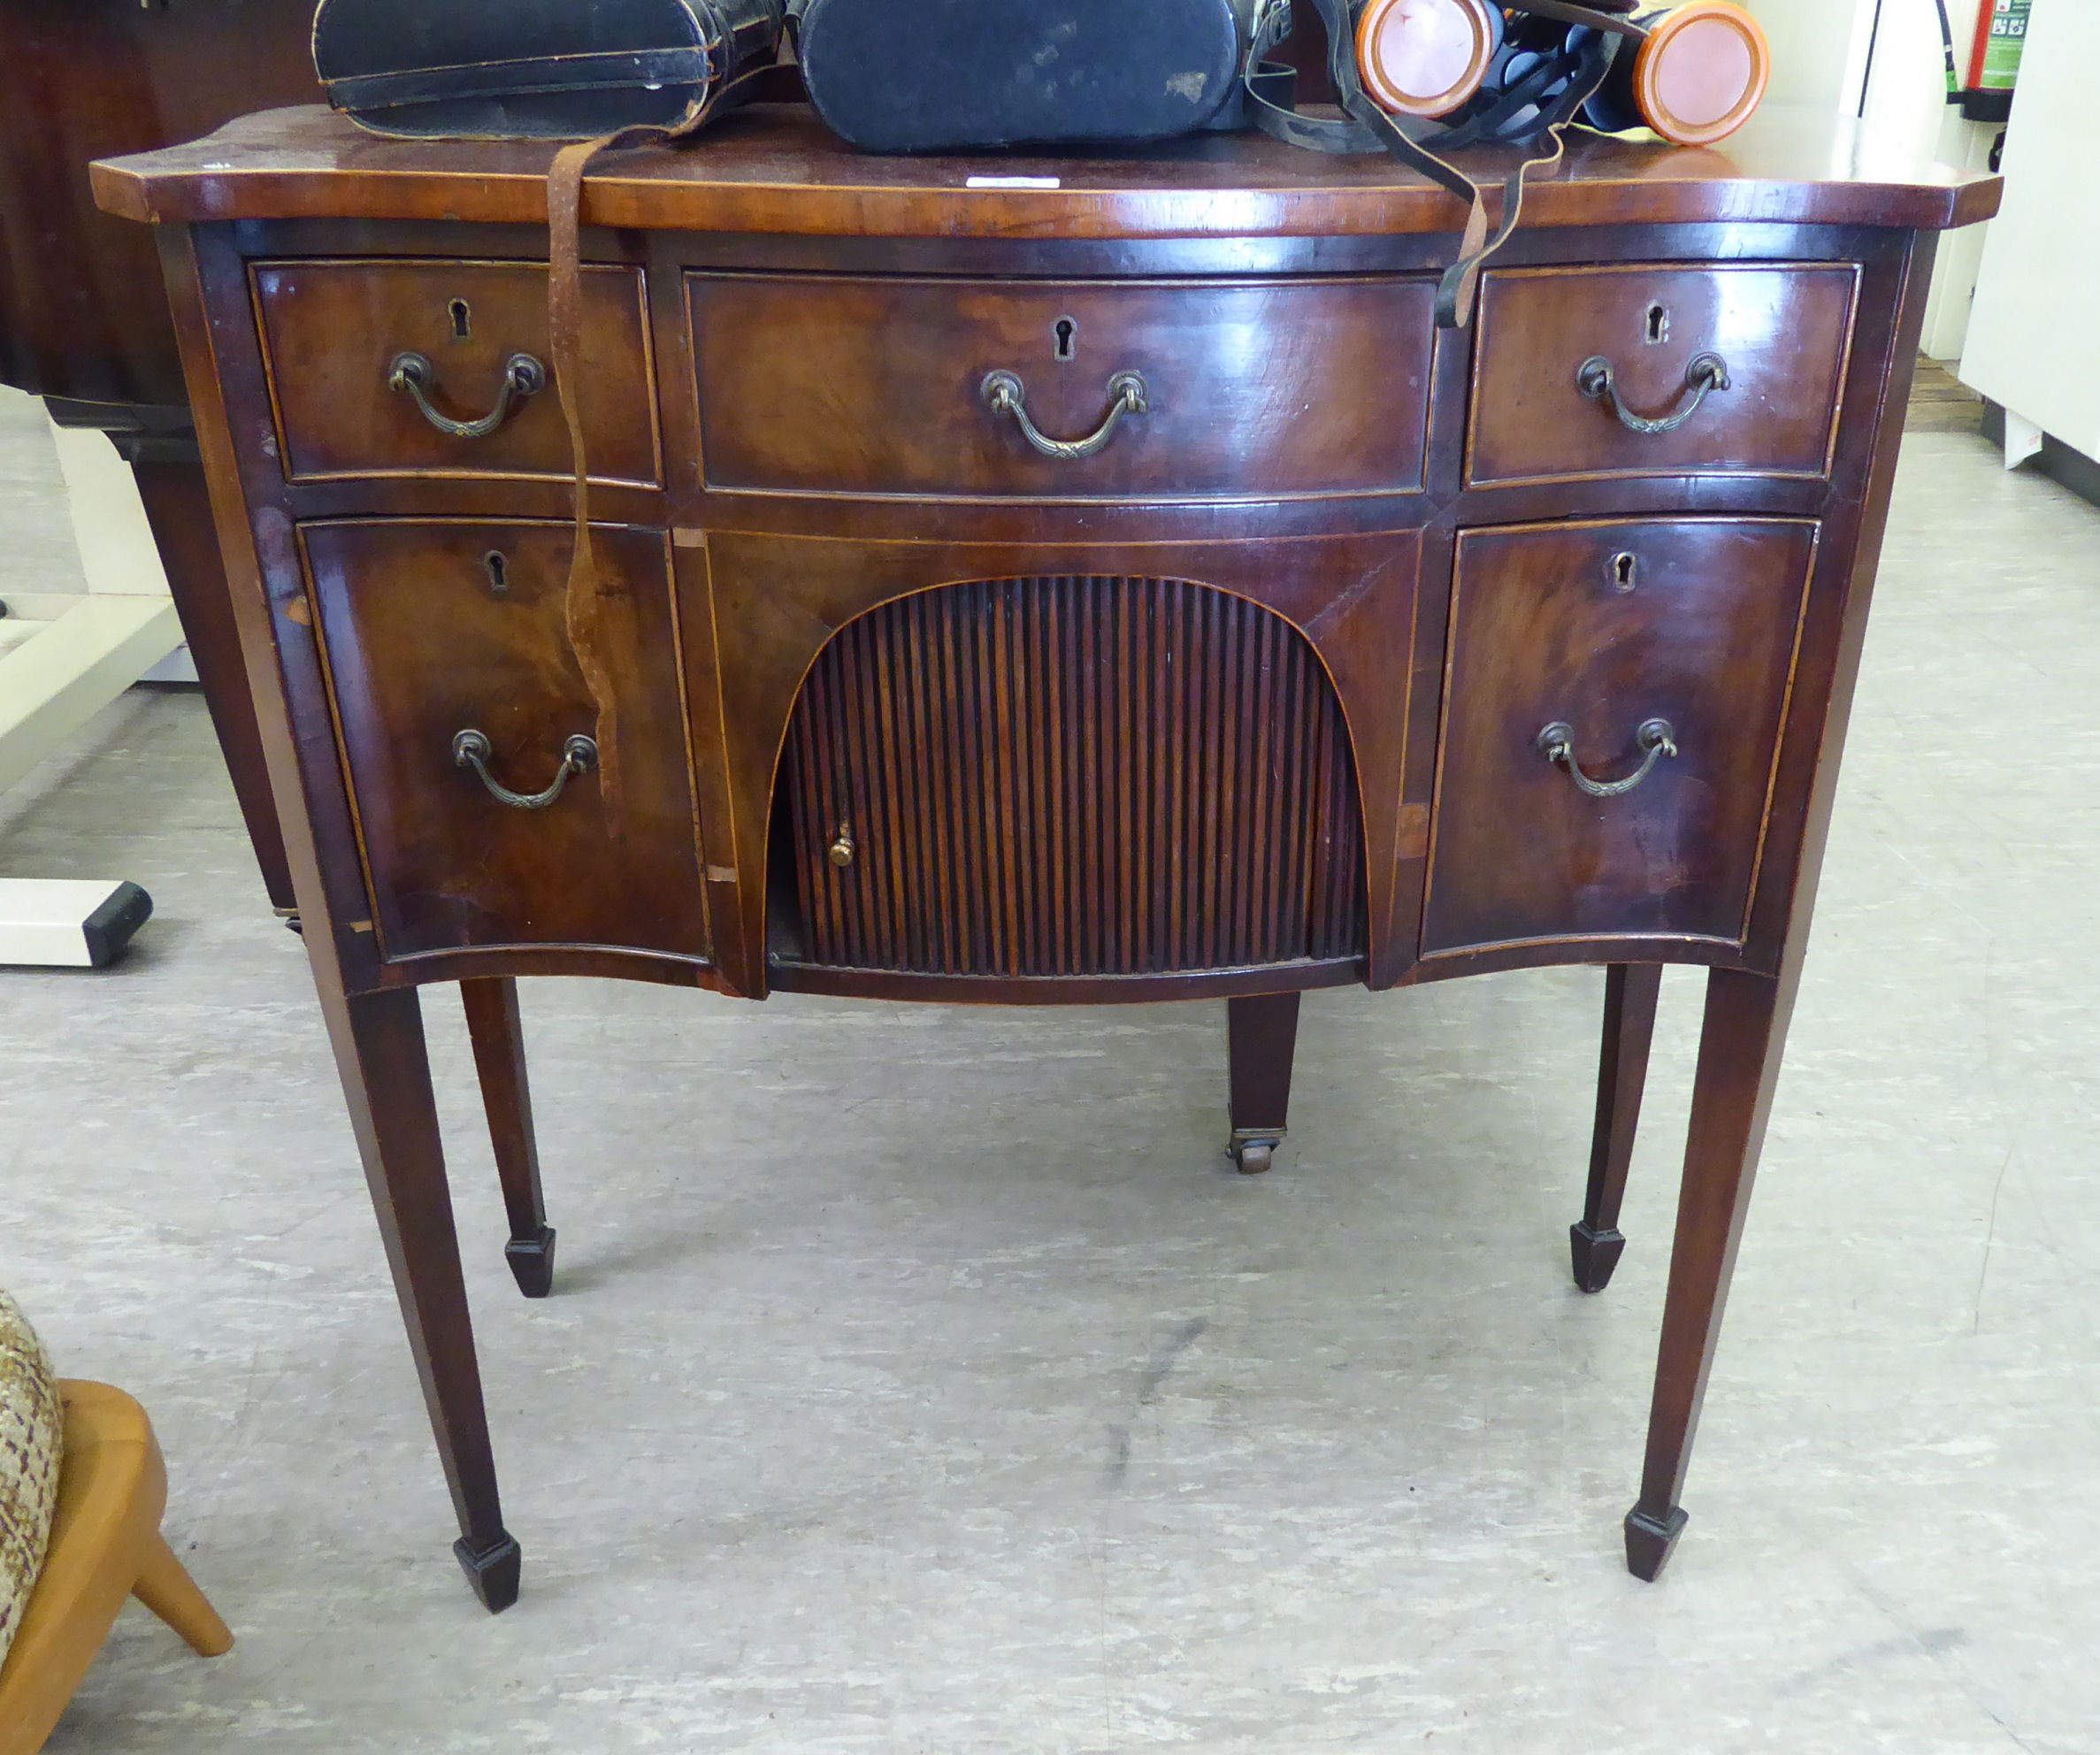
(1595,1253)
(532,1261)
(1650,1539)
(1254,1149)
(492,1570)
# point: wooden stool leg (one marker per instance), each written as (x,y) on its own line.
(1630,994)
(1261,1038)
(1745,1025)
(178,510)
(492,1025)
(166,1588)
(386,1077)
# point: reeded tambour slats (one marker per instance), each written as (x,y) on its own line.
(1046,777)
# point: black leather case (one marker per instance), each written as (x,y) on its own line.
(554,69)
(935,75)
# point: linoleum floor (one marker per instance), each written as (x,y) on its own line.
(924,1380)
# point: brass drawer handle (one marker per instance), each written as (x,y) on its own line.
(1706,372)
(1006,394)
(1556,743)
(523,376)
(471,749)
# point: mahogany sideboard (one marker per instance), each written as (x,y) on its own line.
(1116,590)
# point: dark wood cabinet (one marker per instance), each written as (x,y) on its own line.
(1114,591)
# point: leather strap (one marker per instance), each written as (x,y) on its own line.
(1371,128)
(594,609)
(532,76)
(1569,12)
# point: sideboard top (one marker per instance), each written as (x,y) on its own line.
(773,168)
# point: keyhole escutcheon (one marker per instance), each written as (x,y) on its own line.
(1623,571)
(1658,326)
(1064,337)
(498,570)
(463,320)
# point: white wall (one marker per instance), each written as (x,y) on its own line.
(1818,49)
(1820,58)
(2034,342)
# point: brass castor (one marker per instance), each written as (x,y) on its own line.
(1254,1149)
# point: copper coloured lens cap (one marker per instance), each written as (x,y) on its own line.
(1701,72)
(1424,58)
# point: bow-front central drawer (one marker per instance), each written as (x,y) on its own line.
(1062,389)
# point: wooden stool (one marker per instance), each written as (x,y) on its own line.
(105,1545)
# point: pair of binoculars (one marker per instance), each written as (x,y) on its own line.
(1694,75)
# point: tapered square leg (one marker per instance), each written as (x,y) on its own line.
(1261,1041)
(498,1037)
(1739,1054)
(1629,996)
(385,1074)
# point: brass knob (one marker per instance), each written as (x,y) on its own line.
(840,851)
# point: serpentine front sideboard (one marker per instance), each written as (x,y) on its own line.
(1115,588)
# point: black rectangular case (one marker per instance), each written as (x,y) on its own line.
(550,69)
(953,75)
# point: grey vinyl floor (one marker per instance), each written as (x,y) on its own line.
(924,1380)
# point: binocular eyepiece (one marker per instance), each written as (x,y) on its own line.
(1694,75)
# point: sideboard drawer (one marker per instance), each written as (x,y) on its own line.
(334,334)
(1605,629)
(1251,388)
(433,629)
(1784,334)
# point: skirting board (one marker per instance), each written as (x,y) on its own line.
(2061,463)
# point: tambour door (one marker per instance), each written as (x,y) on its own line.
(1071,776)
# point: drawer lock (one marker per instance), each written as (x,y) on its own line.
(1556,743)
(471,749)
(1005,393)
(1707,372)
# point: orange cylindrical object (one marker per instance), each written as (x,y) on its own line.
(1423,57)
(1701,72)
